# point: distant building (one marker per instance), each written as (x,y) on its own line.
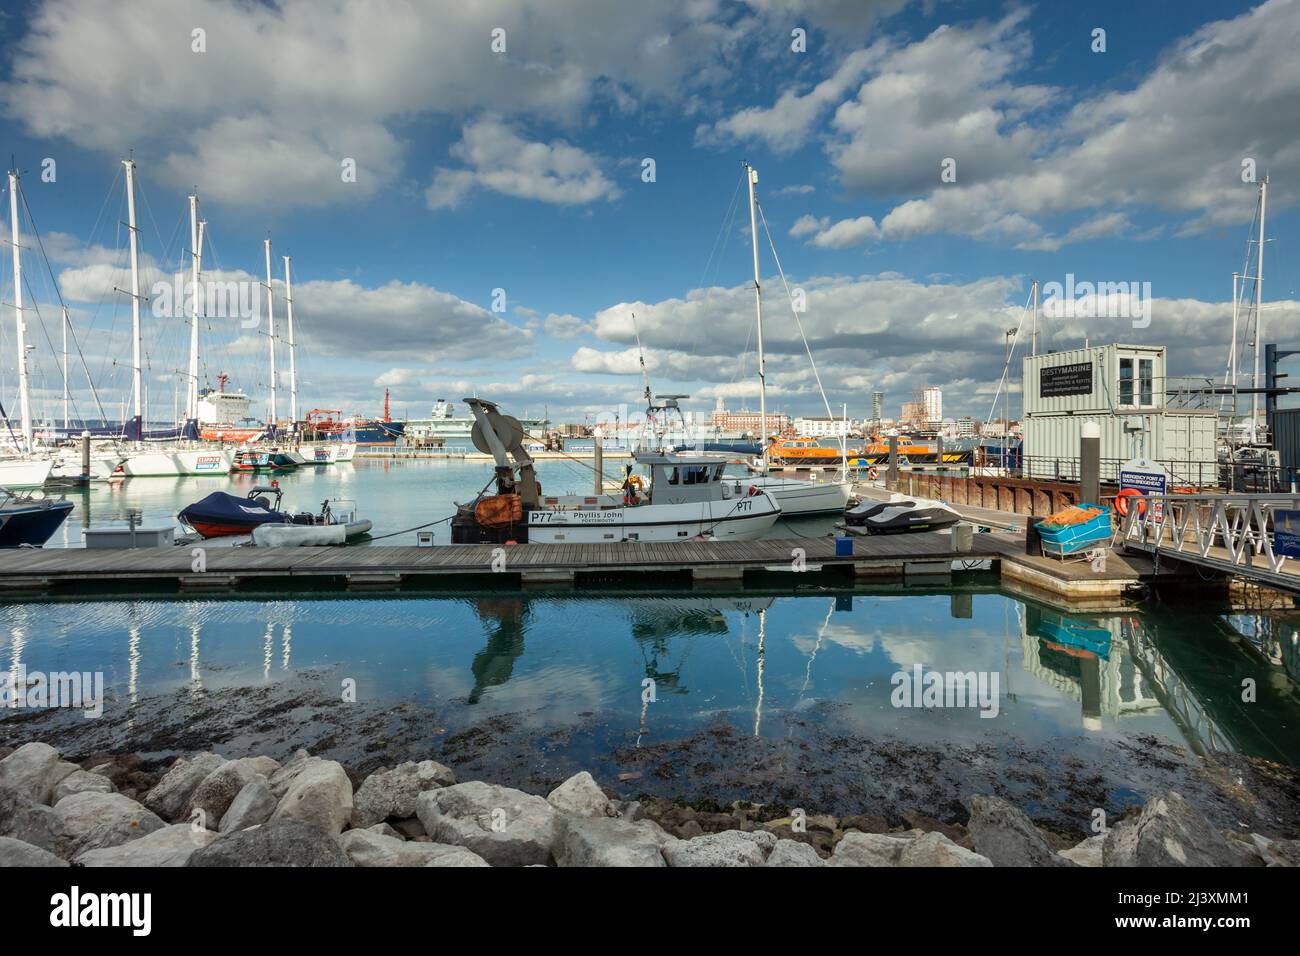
(822,427)
(877,406)
(966,427)
(932,399)
(750,422)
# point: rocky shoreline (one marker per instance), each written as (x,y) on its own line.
(207,810)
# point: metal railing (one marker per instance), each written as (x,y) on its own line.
(1236,529)
(1242,476)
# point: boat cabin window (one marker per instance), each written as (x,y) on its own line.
(672,476)
(695,475)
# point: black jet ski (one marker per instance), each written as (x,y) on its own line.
(901,514)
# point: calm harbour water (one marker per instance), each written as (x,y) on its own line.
(756,661)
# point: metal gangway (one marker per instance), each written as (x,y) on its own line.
(1229,533)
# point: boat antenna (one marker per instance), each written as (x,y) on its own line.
(645,376)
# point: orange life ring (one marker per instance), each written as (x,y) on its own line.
(1122,502)
(873,473)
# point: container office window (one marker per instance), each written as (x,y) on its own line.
(1145,383)
(1136,391)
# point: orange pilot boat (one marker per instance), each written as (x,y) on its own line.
(800,451)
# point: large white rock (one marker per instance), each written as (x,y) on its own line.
(22,818)
(320,793)
(252,805)
(82,781)
(90,821)
(728,848)
(217,790)
(504,826)
(1087,853)
(581,796)
(871,849)
(17,853)
(391,794)
(171,796)
(1168,832)
(608,841)
(793,853)
(170,846)
(282,778)
(935,849)
(367,848)
(34,770)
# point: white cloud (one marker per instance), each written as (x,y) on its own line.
(846,233)
(497,158)
(287,89)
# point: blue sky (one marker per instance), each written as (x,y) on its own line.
(521,170)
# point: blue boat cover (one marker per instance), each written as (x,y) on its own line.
(222,507)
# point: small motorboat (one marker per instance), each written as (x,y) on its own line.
(220,514)
(248,462)
(901,514)
(337,523)
(25,520)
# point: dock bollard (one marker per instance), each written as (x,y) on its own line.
(963,537)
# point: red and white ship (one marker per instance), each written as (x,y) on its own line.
(224,416)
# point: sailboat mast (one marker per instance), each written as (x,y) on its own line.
(293,370)
(751,176)
(1259,313)
(66,322)
(270,333)
(196,243)
(20,327)
(136,404)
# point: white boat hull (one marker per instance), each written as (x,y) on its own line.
(24,472)
(171,464)
(732,519)
(307,535)
(798,497)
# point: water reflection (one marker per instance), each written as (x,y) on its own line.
(755,659)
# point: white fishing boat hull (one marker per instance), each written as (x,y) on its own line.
(174,464)
(307,535)
(799,498)
(24,472)
(731,519)
(67,464)
(343,452)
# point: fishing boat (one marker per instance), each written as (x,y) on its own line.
(29,521)
(901,514)
(251,461)
(686,496)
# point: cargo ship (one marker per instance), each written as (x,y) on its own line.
(224,416)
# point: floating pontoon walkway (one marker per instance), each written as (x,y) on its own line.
(923,558)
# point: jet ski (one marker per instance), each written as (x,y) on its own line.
(901,514)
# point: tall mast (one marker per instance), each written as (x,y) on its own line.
(751,176)
(66,323)
(196,253)
(20,327)
(1259,313)
(293,371)
(1033,340)
(270,332)
(136,405)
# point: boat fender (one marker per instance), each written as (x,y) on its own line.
(1122,502)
